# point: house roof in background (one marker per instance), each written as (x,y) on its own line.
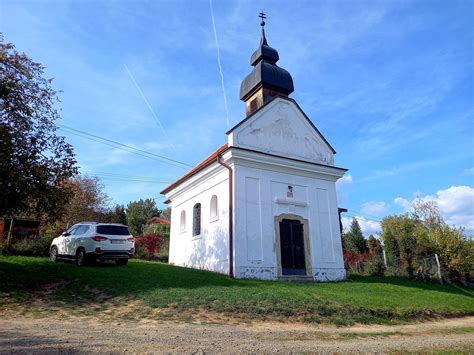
(158,220)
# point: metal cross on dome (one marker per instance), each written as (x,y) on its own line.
(263,17)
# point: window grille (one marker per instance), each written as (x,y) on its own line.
(182,221)
(197,219)
(213,212)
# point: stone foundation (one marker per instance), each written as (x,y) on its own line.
(271,273)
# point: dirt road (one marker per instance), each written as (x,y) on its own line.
(77,335)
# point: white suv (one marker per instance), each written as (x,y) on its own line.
(89,241)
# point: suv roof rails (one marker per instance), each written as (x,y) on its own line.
(91,222)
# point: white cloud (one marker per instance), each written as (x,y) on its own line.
(368,226)
(469,171)
(375,208)
(456,205)
(345,180)
(342,188)
(404,203)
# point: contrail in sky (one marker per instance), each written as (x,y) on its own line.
(148,104)
(219,63)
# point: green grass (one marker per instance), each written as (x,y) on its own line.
(459,330)
(351,335)
(360,299)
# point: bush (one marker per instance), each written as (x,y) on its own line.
(3,247)
(412,240)
(35,246)
(374,266)
(150,242)
(354,262)
(399,234)
(140,253)
(163,229)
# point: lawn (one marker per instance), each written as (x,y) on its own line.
(361,299)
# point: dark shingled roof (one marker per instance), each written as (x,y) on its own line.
(265,72)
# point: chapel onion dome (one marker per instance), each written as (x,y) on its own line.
(266,73)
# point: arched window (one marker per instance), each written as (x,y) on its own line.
(182,221)
(213,212)
(197,219)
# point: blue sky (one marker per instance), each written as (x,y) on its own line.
(389,84)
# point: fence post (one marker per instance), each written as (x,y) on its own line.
(384,257)
(9,232)
(439,269)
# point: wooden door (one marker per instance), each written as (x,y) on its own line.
(292,247)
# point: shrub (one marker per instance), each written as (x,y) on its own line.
(150,242)
(140,253)
(399,236)
(3,246)
(374,266)
(354,262)
(36,246)
(164,229)
(412,240)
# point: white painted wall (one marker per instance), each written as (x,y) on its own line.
(261,186)
(261,194)
(280,128)
(209,250)
(280,148)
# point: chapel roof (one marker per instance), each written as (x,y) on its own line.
(265,72)
(203,164)
(246,119)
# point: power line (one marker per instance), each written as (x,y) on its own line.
(131,178)
(357,215)
(101,173)
(124,147)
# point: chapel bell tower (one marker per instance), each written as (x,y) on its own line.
(267,79)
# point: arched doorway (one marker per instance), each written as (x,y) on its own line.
(292,246)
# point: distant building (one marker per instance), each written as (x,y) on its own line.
(158,220)
(19,227)
(264,204)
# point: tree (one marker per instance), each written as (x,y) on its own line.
(115,214)
(88,201)
(374,245)
(455,250)
(138,214)
(35,162)
(118,215)
(354,239)
(166,213)
(399,234)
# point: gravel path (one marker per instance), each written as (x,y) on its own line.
(78,335)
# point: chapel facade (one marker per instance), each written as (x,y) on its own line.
(264,204)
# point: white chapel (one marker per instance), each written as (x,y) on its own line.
(264,204)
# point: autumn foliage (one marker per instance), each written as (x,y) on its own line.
(151,242)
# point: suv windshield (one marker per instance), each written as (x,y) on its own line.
(113,230)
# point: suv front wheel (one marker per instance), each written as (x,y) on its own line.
(81,257)
(53,254)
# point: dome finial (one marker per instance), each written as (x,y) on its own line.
(262,23)
(263,17)
(266,79)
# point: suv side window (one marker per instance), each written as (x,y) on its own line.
(81,230)
(72,230)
